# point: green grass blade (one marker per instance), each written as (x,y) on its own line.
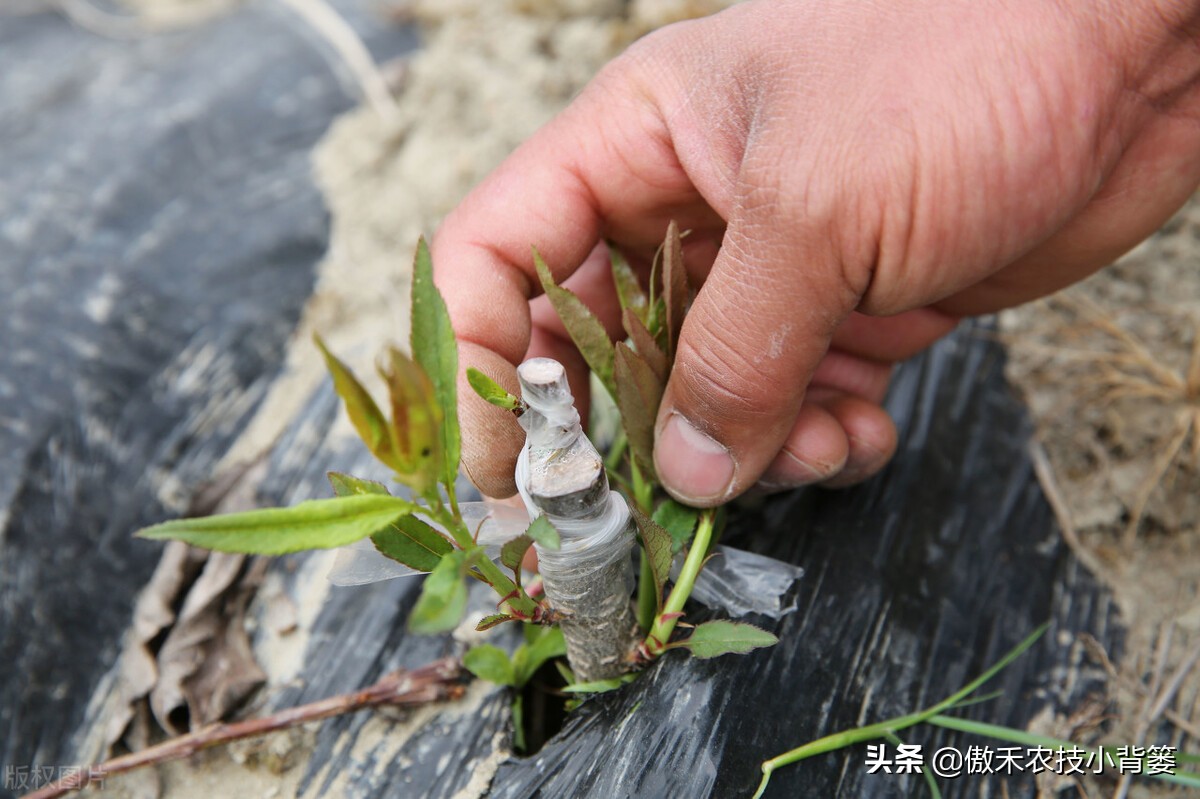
(1024,738)
(934,791)
(841,740)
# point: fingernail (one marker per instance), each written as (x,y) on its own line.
(695,467)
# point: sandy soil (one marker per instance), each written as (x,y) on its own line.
(1111,372)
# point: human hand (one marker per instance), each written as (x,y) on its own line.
(856,177)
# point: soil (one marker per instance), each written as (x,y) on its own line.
(1110,369)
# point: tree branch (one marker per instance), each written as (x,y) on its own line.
(434,682)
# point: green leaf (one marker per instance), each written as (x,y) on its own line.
(646,346)
(364,414)
(413,543)
(315,524)
(417,422)
(489,663)
(675,287)
(345,485)
(513,553)
(491,391)
(546,643)
(629,290)
(713,638)
(443,596)
(564,671)
(600,686)
(639,391)
(656,547)
(583,326)
(496,619)
(434,348)
(543,532)
(679,520)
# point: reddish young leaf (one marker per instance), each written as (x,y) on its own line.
(416,422)
(629,290)
(645,344)
(675,287)
(656,546)
(639,391)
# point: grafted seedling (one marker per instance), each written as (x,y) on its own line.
(589,578)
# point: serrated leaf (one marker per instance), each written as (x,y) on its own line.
(434,348)
(368,420)
(600,686)
(646,346)
(583,326)
(543,533)
(656,546)
(489,663)
(346,485)
(315,524)
(675,287)
(679,520)
(496,619)
(412,542)
(714,638)
(417,422)
(491,391)
(443,597)
(513,553)
(546,643)
(629,289)
(639,391)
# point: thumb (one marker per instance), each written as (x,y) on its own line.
(755,334)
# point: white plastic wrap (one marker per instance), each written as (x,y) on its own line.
(739,583)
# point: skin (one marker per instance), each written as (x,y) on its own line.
(857,177)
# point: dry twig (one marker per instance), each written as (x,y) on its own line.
(434,682)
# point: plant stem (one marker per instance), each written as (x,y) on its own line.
(612,461)
(508,590)
(664,625)
(433,682)
(647,599)
(840,740)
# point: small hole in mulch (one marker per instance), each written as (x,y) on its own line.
(543,707)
